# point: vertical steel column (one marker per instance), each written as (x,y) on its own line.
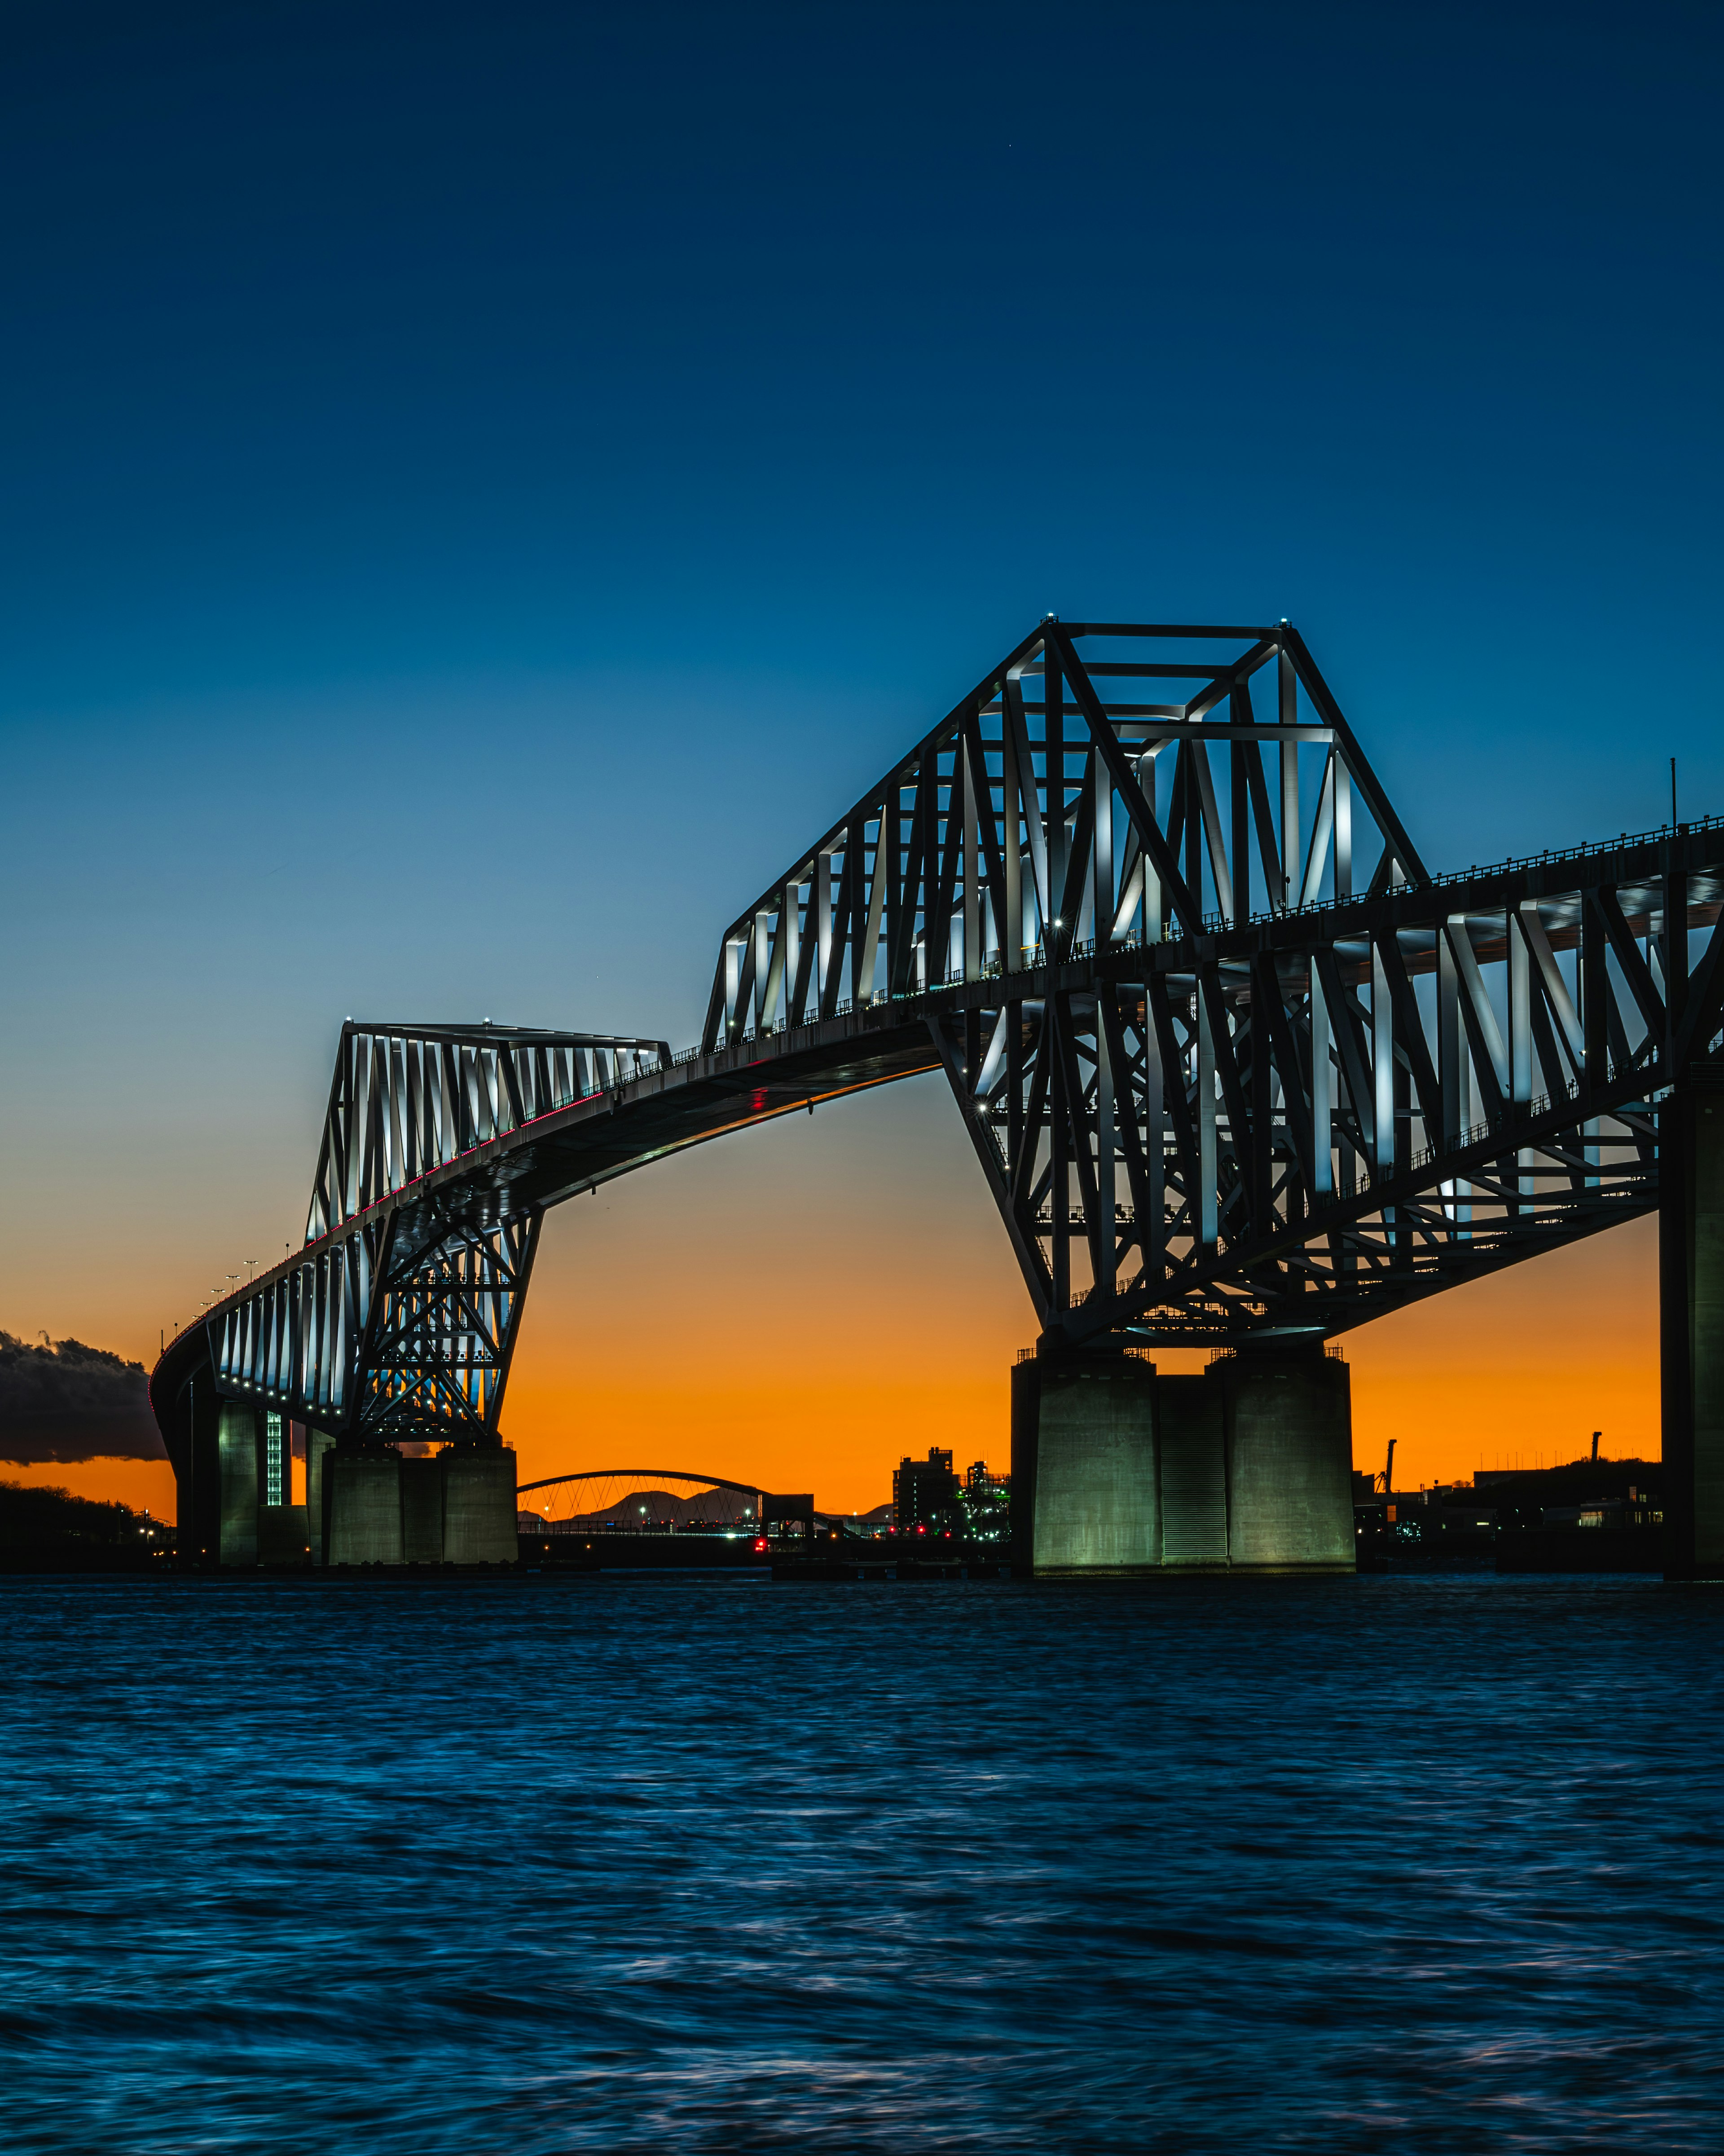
(1152,1233)
(1011,927)
(1322,1138)
(1343,828)
(972,863)
(891,847)
(763,962)
(1520,965)
(1290,834)
(1240,830)
(790,946)
(1382,1071)
(1209,1224)
(1053,723)
(1016,1137)
(1153,915)
(866,956)
(825,987)
(1056,1016)
(1450,1046)
(1520,1017)
(1451,1061)
(1106,1242)
(732,984)
(1102,852)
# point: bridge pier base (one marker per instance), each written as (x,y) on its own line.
(1287,1422)
(479,1505)
(237,1456)
(1083,1439)
(319,1445)
(1117,1469)
(1690,1254)
(456,1508)
(362,1506)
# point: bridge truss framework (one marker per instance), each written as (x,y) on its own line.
(1233,1061)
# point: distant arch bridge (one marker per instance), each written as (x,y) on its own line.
(614,1487)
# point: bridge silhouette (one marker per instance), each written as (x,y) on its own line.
(613,1488)
(1240,1069)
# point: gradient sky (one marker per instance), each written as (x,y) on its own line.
(483,487)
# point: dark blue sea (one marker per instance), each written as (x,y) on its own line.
(700,1863)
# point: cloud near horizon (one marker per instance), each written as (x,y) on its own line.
(66,1402)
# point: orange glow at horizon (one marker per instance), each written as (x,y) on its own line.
(781,1308)
(805,1302)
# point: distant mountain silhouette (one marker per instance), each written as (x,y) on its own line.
(643,1507)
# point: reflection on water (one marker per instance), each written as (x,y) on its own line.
(638,1864)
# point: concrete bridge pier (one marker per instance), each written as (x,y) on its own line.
(1084,1455)
(365,1503)
(456,1507)
(479,1505)
(237,1454)
(258,1522)
(361,1505)
(319,1445)
(1287,1421)
(1117,1469)
(1691,1254)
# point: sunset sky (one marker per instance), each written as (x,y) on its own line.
(482,488)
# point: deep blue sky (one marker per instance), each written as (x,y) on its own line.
(483,485)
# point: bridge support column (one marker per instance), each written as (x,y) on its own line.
(1690,1252)
(479,1505)
(1287,1422)
(1117,1469)
(376,1508)
(1083,1490)
(237,1453)
(362,1506)
(319,1445)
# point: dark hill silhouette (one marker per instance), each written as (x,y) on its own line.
(49,1530)
(705,1508)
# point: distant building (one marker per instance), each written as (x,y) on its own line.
(986,1504)
(924,1493)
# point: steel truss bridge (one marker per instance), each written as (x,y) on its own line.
(1234,1059)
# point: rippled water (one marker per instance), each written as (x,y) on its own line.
(706,1864)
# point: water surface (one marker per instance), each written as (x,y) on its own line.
(638,1863)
